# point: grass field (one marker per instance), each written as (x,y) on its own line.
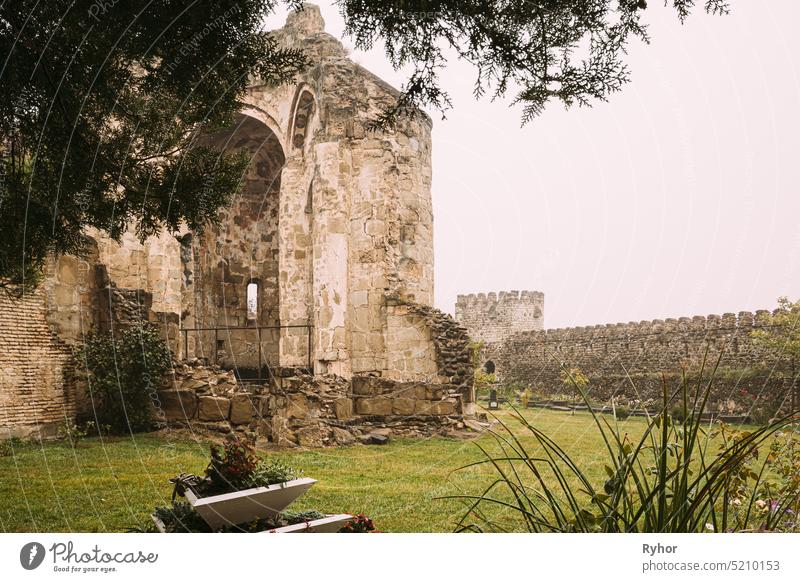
(113,485)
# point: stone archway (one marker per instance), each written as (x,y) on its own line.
(240,251)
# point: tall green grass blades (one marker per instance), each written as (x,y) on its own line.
(676,476)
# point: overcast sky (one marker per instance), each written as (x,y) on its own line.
(678,197)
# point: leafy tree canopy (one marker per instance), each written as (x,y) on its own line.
(102,105)
(569,50)
(103,100)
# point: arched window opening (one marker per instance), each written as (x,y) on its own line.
(252,301)
(489,367)
(302,117)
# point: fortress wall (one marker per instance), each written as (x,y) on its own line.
(645,350)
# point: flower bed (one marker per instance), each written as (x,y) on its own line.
(248,505)
(242,492)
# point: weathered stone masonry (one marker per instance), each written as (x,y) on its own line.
(493,317)
(332,234)
(304,410)
(606,354)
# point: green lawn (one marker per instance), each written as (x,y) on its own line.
(114,485)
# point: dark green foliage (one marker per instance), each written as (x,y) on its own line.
(101,109)
(230,469)
(293,517)
(123,374)
(8,446)
(572,51)
(181,518)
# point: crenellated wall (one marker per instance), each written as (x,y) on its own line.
(645,350)
(491,317)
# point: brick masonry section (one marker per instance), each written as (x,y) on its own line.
(33,401)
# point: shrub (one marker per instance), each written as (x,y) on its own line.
(483,382)
(622,412)
(666,481)
(123,373)
(678,413)
(72,433)
(231,468)
(180,517)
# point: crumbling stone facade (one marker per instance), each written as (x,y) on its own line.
(304,410)
(331,220)
(321,267)
(493,317)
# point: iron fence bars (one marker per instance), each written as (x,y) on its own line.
(238,356)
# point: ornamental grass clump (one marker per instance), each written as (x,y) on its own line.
(681,475)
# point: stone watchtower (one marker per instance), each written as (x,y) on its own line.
(492,317)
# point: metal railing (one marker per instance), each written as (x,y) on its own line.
(262,361)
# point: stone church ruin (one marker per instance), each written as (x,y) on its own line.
(305,315)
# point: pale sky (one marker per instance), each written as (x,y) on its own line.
(678,197)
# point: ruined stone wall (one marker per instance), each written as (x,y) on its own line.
(452,352)
(70,289)
(303,410)
(370,221)
(334,224)
(492,317)
(39,331)
(606,354)
(153,266)
(76,297)
(135,281)
(355,215)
